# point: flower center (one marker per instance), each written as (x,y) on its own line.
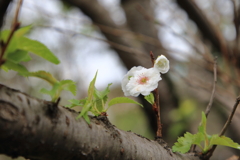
(143,80)
(161,64)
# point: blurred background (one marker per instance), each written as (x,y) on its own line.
(112,36)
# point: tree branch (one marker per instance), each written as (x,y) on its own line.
(208,30)
(31,128)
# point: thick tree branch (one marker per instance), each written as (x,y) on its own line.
(39,129)
(208,30)
(101,17)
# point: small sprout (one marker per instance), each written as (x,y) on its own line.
(96,101)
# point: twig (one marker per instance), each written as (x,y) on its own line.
(156,106)
(15,26)
(236,19)
(210,152)
(207,111)
(209,106)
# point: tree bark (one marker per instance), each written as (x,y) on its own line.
(39,129)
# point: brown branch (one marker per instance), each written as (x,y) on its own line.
(156,106)
(207,111)
(29,129)
(15,25)
(101,17)
(208,30)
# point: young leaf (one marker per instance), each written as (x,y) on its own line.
(16,67)
(18,56)
(75,102)
(91,88)
(224,141)
(102,94)
(203,125)
(119,100)
(85,109)
(68,85)
(43,75)
(37,48)
(183,144)
(12,46)
(149,98)
(22,31)
(86,118)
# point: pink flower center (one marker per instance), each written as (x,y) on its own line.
(143,80)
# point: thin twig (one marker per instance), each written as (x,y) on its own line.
(210,152)
(207,111)
(209,106)
(15,26)
(156,106)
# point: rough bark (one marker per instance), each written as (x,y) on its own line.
(39,129)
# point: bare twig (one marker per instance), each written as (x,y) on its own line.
(156,106)
(236,18)
(207,111)
(210,152)
(209,106)
(15,26)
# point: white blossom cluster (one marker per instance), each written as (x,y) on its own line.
(140,80)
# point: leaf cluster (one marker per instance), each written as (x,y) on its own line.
(96,101)
(202,140)
(19,48)
(18,51)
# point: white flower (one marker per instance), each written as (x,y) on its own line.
(162,64)
(140,80)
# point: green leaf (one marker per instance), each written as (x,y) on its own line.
(203,125)
(119,100)
(74,101)
(16,67)
(43,75)
(91,88)
(86,118)
(183,144)
(150,98)
(102,94)
(22,31)
(224,141)
(12,46)
(37,48)
(18,56)
(49,92)
(68,85)
(85,109)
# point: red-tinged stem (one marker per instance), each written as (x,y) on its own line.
(15,26)
(156,106)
